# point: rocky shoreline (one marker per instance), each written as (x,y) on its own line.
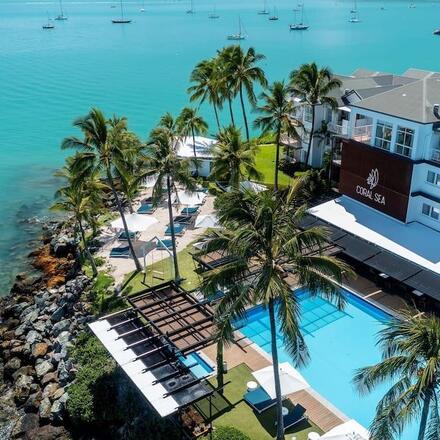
(38,322)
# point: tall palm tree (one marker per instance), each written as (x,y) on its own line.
(314,85)
(206,85)
(161,159)
(225,78)
(411,362)
(277,110)
(243,70)
(80,196)
(233,159)
(101,149)
(261,232)
(191,123)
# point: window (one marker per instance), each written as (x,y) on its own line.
(430,211)
(384,132)
(307,113)
(433,178)
(404,141)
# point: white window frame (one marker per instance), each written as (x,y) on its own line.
(382,140)
(406,131)
(308,112)
(431,210)
(436,181)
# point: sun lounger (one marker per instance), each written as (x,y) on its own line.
(146,208)
(120,252)
(164,244)
(259,400)
(123,236)
(296,415)
(191,210)
(179,229)
(183,219)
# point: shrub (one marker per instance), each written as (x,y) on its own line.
(229,433)
(102,294)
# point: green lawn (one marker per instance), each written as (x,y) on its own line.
(234,411)
(162,271)
(265,162)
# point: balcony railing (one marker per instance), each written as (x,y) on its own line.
(435,155)
(362,133)
(341,130)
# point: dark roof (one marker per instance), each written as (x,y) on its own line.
(357,248)
(426,282)
(393,265)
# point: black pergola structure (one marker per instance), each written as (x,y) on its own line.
(416,278)
(151,339)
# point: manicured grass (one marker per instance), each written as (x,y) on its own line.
(265,162)
(234,411)
(162,271)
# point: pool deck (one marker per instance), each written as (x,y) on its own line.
(319,411)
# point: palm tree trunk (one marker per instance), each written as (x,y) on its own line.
(86,249)
(231,112)
(130,206)
(424,416)
(220,378)
(216,116)
(194,150)
(312,132)
(244,113)
(277,158)
(279,405)
(121,213)
(173,234)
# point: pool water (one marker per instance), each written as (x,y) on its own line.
(199,367)
(339,342)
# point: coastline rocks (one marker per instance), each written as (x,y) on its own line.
(39,349)
(43,368)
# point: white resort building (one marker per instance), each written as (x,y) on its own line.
(203,149)
(385,144)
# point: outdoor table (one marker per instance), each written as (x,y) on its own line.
(252,385)
(313,436)
(285,411)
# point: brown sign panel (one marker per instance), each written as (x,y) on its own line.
(377,178)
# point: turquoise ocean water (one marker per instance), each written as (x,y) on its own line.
(141,70)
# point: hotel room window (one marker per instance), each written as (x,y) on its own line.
(430,211)
(307,113)
(384,132)
(404,141)
(433,178)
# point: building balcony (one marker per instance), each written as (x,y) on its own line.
(435,155)
(362,133)
(341,130)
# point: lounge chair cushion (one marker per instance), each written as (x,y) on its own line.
(164,244)
(259,400)
(120,252)
(123,235)
(178,229)
(190,210)
(295,416)
(146,209)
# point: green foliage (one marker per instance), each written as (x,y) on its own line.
(103,296)
(316,182)
(229,433)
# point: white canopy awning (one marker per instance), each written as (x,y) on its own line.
(344,108)
(248,185)
(350,430)
(291,379)
(135,222)
(190,198)
(149,181)
(207,221)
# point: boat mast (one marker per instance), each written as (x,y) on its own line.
(61,8)
(122,11)
(302,13)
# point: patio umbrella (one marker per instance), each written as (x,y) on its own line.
(291,380)
(247,185)
(190,198)
(135,222)
(149,181)
(207,221)
(350,430)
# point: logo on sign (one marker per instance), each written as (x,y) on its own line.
(373,178)
(372,182)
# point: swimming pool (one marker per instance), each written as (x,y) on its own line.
(339,342)
(198,366)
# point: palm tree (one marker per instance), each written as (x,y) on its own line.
(243,71)
(161,159)
(314,86)
(80,196)
(191,123)
(261,232)
(411,361)
(225,78)
(102,150)
(277,117)
(233,159)
(206,85)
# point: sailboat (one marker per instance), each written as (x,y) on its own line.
(61,16)
(121,20)
(214,14)
(299,25)
(354,17)
(143,7)
(264,11)
(240,35)
(191,9)
(274,17)
(48,25)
